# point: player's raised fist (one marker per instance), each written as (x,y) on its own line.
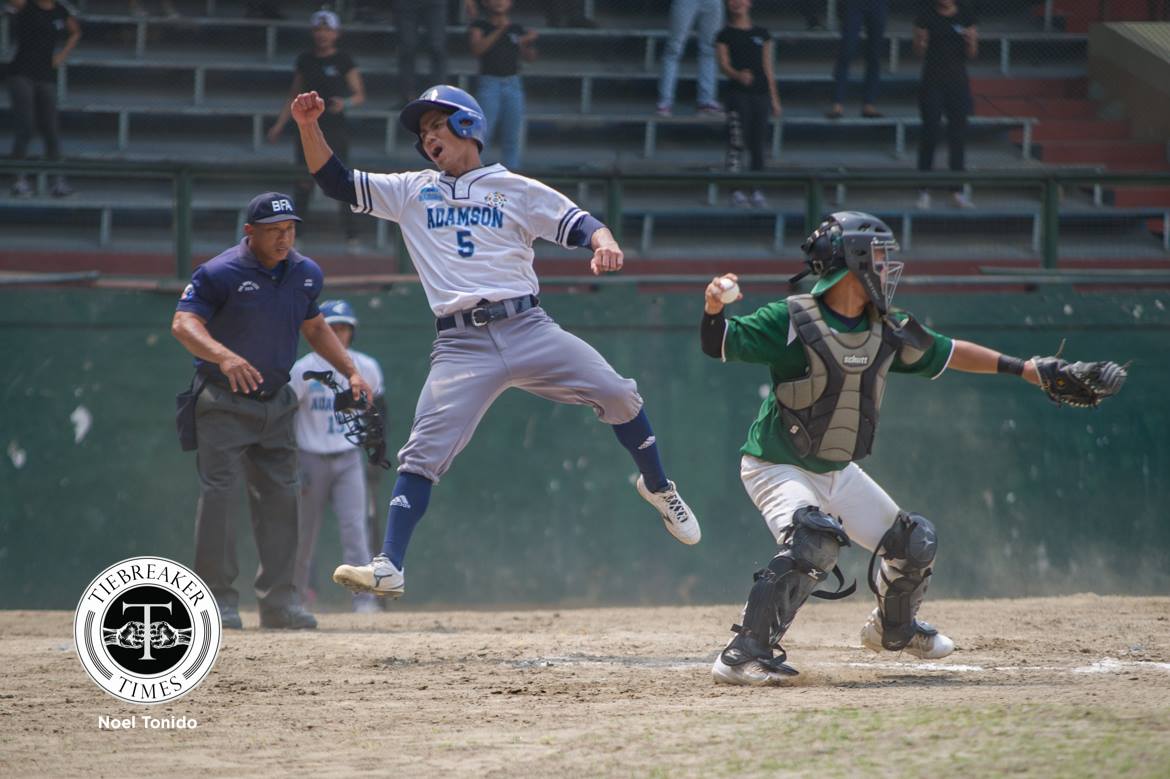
(307,107)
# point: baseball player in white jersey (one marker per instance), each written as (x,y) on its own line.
(332,469)
(470,229)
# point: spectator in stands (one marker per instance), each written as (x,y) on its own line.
(683,16)
(37,25)
(167,7)
(557,13)
(407,16)
(499,43)
(745,57)
(330,72)
(854,14)
(945,37)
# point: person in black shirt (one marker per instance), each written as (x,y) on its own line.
(332,73)
(945,37)
(744,52)
(500,43)
(32,80)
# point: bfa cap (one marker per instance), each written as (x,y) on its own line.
(271,207)
(325,18)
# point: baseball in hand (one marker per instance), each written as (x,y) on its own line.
(730,291)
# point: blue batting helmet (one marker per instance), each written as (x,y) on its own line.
(466,119)
(338,312)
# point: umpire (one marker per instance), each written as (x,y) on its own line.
(240,317)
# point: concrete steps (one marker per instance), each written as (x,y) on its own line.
(1042,107)
(1075,16)
(1031,88)
(1066,130)
(1114,155)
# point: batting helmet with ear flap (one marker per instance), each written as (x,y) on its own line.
(338,312)
(465,117)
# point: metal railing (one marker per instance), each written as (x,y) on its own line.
(1048,183)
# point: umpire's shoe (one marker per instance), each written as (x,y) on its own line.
(676,514)
(229,617)
(380,577)
(287,618)
(927,643)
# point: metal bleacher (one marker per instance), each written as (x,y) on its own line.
(205,88)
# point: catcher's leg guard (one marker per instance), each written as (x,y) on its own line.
(907,550)
(808,552)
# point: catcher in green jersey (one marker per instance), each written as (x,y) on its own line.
(829,353)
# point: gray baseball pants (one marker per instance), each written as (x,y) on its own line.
(256,436)
(338,479)
(472,366)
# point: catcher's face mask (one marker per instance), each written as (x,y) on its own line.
(887,269)
(870,260)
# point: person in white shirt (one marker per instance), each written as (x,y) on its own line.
(469,229)
(332,469)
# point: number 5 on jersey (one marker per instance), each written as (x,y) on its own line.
(466,247)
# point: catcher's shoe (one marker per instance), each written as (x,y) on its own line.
(752,673)
(380,577)
(676,514)
(927,643)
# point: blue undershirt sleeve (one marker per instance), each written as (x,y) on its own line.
(336,181)
(582,232)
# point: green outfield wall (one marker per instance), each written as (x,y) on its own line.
(1028,498)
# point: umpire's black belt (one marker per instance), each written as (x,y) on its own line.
(486,313)
(262,393)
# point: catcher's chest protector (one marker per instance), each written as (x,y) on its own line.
(832,413)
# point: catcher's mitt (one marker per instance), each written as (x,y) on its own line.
(1078,384)
(359,419)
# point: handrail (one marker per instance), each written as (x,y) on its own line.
(813,182)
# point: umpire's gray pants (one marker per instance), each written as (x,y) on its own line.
(471,367)
(235,431)
(338,479)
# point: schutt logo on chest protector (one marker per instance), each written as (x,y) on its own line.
(856,359)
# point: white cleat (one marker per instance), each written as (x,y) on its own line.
(751,674)
(924,645)
(379,577)
(676,514)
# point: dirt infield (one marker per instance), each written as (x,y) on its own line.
(1075,686)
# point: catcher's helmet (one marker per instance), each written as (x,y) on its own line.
(853,241)
(466,118)
(339,312)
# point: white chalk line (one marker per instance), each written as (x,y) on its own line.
(1106,665)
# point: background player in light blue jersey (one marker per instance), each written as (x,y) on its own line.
(331,466)
(469,229)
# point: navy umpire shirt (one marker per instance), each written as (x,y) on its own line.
(255,312)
